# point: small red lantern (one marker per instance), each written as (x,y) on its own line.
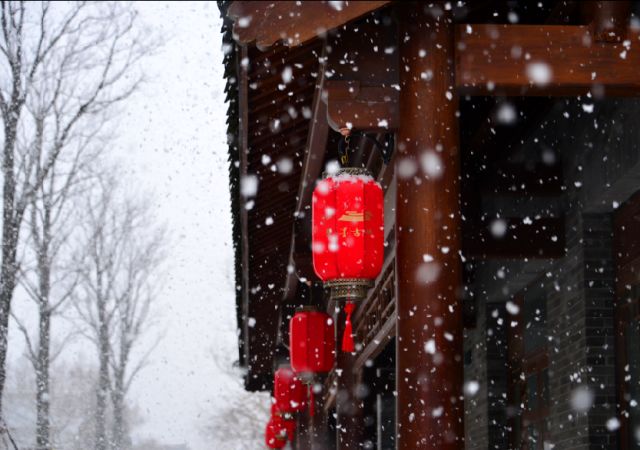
(312,343)
(348,236)
(275,435)
(284,421)
(288,390)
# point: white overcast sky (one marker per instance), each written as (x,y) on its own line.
(174,140)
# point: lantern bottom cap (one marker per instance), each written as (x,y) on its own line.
(349,288)
(306,377)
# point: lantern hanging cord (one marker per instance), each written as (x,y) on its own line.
(344,147)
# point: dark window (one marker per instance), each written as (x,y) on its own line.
(384,388)
(627,253)
(528,369)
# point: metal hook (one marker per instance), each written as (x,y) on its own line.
(386,149)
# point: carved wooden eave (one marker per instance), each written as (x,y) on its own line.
(293,23)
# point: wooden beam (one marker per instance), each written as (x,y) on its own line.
(363,108)
(293,23)
(544,60)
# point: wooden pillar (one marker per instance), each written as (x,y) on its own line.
(318,423)
(304,431)
(429,359)
(350,421)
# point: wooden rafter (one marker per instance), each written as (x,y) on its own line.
(311,170)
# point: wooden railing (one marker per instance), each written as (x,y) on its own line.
(374,324)
(377,308)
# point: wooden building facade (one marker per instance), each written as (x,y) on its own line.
(507,313)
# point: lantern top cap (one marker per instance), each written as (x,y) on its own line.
(307,308)
(357,171)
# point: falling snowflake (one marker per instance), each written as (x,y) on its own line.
(506,114)
(285,166)
(430,346)
(471,388)
(539,73)
(244,22)
(337,5)
(613,424)
(581,399)
(498,228)
(249,185)
(287,75)
(406,168)
(428,272)
(431,164)
(512,308)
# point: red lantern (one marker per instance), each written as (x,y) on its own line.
(312,343)
(289,391)
(348,227)
(348,237)
(275,435)
(284,421)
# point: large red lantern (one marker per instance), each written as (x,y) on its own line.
(312,343)
(348,228)
(348,236)
(288,390)
(275,435)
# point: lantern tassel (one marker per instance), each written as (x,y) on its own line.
(312,409)
(347,338)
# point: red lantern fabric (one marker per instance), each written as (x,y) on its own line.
(275,435)
(283,421)
(288,390)
(348,227)
(312,343)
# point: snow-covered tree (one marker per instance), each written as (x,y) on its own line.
(118,284)
(64,67)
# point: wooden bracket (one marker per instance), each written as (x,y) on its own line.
(608,21)
(364,108)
